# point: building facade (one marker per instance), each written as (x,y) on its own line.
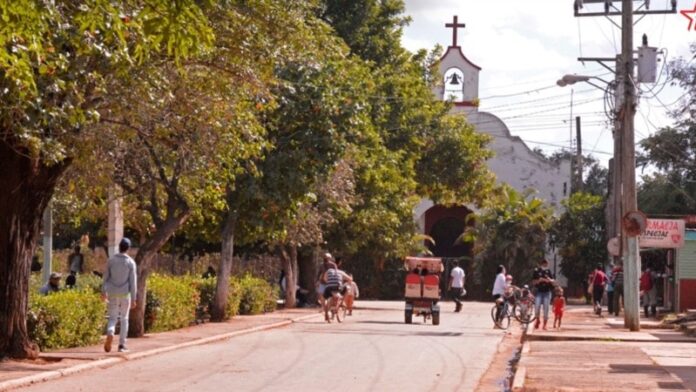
(513,163)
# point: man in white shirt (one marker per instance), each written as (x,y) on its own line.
(499,287)
(456,285)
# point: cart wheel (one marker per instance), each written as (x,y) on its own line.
(436,318)
(408,316)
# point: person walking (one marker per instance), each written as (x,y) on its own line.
(610,290)
(543,281)
(649,291)
(77,261)
(618,281)
(119,289)
(456,285)
(599,280)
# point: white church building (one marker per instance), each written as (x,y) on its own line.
(513,163)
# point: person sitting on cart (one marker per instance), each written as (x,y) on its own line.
(334,279)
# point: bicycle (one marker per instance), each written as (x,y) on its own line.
(523,310)
(503,322)
(336,307)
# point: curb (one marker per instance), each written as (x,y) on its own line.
(518,381)
(55,374)
(607,339)
(520,371)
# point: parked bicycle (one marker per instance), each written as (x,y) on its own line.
(523,311)
(518,304)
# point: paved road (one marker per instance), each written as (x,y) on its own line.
(372,350)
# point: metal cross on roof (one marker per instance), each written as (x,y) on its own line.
(454,25)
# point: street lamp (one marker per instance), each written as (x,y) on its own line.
(572,79)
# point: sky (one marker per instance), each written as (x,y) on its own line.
(524,47)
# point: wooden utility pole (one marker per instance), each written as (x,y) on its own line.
(578,158)
(624,167)
(628,168)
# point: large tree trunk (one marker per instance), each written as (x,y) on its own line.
(146,253)
(307,269)
(27,188)
(287,259)
(218,309)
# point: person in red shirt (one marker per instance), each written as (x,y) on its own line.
(599,280)
(558,307)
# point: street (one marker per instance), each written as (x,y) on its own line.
(372,350)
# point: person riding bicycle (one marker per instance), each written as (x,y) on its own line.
(499,287)
(334,279)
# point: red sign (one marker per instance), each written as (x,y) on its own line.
(663,233)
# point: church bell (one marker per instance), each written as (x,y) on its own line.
(454,80)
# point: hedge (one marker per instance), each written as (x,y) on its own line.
(77,317)
(171,302)
(258,296)
(68,318)
(206,287)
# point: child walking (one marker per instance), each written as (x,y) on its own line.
(558,307)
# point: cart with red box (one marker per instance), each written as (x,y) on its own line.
(422,291)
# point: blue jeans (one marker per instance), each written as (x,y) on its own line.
(545,299)
(118,307)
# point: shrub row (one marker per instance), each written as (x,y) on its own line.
(77,317)
(68,318)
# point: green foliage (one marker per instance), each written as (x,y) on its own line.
(371,28)
(69,318)
(206,288)
(57,58)
(171,302)
(672,150)
(513,233)
(258,296)
(580,236)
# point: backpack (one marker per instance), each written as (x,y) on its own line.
(646,282)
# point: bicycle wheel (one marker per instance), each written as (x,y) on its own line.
(494,311)
(524,313)
(341,313)
(505,317)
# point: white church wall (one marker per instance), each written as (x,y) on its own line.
(517,165)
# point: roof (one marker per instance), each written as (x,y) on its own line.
(458,50)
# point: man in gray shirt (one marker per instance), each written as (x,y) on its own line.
(120,289)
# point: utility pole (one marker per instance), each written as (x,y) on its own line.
(628,168)
(624,176)
(578,141)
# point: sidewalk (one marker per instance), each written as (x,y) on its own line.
(592,353)
(59,363)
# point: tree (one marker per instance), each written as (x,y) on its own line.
(319,113)
(420,151)
(672,150)
(513,232)
(56,60)
(173,152)
(580,236)
(371,28)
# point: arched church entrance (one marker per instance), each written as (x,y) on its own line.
(445,226)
